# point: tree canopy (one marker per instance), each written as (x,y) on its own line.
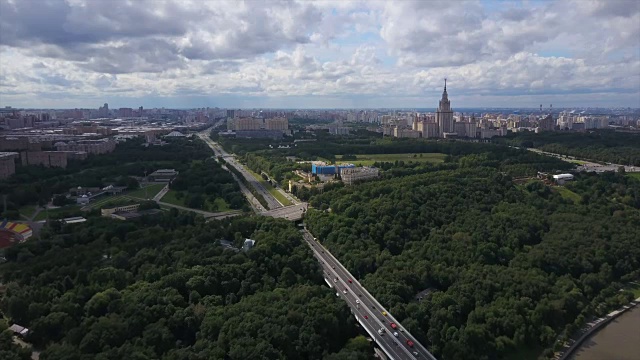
(166,289)
(505,266)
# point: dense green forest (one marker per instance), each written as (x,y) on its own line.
(597,145)
(208,180)
(166,289)
(508,266)
(37,184)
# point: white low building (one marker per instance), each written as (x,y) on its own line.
(562,178)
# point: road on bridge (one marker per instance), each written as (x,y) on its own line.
(366,308)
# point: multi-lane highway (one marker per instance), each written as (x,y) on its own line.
(370,314)
(292,212)
(272,203)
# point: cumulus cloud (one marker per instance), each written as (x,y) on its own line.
(347,52)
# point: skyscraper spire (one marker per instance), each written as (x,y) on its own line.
(445,84)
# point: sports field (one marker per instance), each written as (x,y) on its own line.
(369,159)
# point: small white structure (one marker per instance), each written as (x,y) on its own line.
(248,244)
(74,220)
(560,179)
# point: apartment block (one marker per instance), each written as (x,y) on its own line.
(247,124)
(45,158)
(352,175)
(101,146)
(8,164)
(281,124)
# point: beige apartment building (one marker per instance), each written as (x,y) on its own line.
(247,124)
(280,124)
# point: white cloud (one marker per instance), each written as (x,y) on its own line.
(362,53)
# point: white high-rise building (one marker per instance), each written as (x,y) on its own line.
(444,114)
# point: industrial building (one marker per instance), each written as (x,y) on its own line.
(351,176)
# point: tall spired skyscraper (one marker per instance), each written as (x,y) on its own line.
(444,115)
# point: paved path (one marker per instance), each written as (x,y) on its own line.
(206,214)
(161,193)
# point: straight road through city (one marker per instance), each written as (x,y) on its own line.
(367,309)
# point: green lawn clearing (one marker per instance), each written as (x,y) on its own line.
(219,204)
(65,211)
(568,194)
(151,191)
(634,175)
(170,198)
(27,210)
(369,159)
(634,288)
(113,201)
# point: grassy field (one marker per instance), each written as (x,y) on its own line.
(115,200)
(221,205)
(634,175)
(635,289)
(27,210)
(170,197)
(267,185)
(42,215)
(568,194)
(151,190)
(369,159)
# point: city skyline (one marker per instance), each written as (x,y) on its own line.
(76,54)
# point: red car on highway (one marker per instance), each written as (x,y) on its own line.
(394,326)
(410,343)
(350,282)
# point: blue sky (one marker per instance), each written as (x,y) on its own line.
(314,54)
